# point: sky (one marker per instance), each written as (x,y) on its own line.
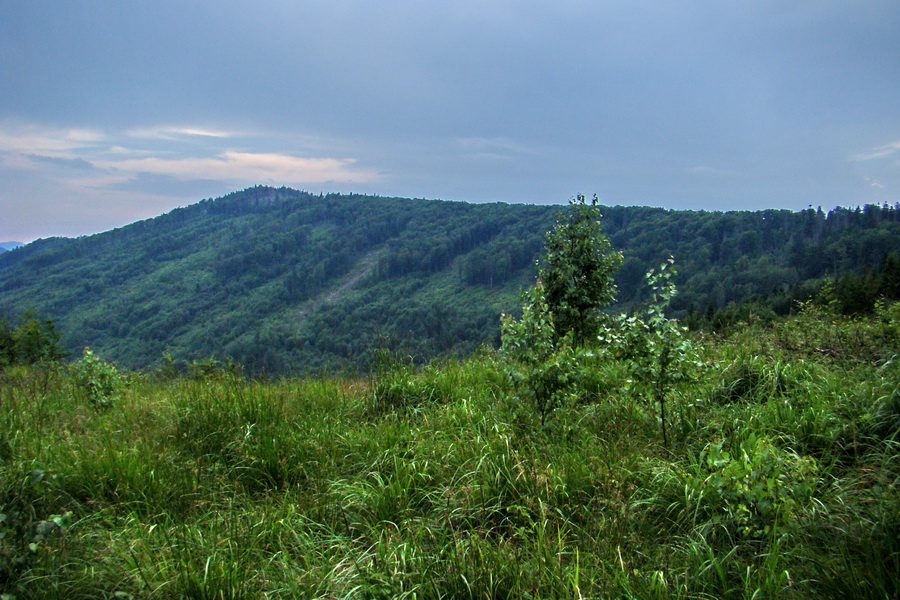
(112,112)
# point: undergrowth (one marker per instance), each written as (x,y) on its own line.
(779,479)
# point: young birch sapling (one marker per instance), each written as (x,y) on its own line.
(657,347)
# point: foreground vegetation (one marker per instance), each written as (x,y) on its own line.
(779,479)
(591,456)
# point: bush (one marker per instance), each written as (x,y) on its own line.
(26,538)
(561,312)
(755,489)
(96,380)
(544,367)
(210,369)
(657,349)
(820,332)
(32,340)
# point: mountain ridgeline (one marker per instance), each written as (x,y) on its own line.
(283,281)
(6,246)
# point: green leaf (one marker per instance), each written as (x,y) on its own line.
(34,478)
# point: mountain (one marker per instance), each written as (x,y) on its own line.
(5,246)
(285,281)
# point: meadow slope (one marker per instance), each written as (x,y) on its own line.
(780,479)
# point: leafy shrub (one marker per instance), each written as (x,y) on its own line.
(887,316)
(544,367)
(561,312)
(32,340)
(819,331)
(169,369)
(657,349)
(756,489)
(206,369)
(98,381)
(25,538)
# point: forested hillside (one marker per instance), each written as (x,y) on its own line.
(284,281)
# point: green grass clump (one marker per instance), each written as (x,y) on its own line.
(779,481)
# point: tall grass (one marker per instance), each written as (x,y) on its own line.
(781,482)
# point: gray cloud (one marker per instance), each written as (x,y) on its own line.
(68,163)
(695,104)
(166,185)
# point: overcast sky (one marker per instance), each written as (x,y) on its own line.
(112,112)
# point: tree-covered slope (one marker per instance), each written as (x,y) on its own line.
(280,279)
(285,281)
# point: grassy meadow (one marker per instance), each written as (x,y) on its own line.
(780,479)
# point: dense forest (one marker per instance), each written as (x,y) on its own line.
(282,281)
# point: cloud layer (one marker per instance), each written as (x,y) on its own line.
(136,107)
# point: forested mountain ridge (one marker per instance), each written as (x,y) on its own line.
(285,281)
